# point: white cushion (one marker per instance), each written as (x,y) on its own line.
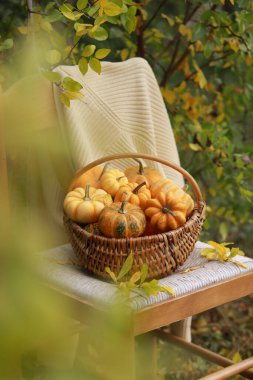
(59,267)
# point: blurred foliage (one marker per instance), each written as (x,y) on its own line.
(201,53)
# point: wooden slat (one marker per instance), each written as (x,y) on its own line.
(230,371)
(198,350)
(179,308)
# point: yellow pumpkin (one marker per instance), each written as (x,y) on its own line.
(111,181)
(138,194)
(167,185)
(120,220)
(91,177)
(166,212)
(85,206)
(139,174)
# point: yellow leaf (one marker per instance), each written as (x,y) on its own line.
(195,147)
(199,78)
(244,266)
(232,2)
(237,357)
(199,46)
(233,43)
(135,277)
(124,54)
(169,96)
(249,60)
(171,22)
(185,31)
(22,29)
(111,274)
(228,64)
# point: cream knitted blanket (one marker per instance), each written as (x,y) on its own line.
(122,110)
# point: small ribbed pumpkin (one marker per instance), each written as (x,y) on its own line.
(91,177)
(85,206)
(121,220)
(138,194)
(166,211)
(167,185)
(139,174)
(111,181)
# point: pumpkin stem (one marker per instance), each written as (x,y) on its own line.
(123,204)
(103,171)
(135,191)
(87,192)
(118,178)
(166,210)
(141,168)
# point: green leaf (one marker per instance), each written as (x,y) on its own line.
(99,34)
(88,50)
(49,6)
(81,4)
(71,85)
(126,266)
(129,19)
(111,274)
(54,15)
(74,95)
(83,65)
(95,65)
(102,53)
(8,44)
(144,272)
(93,10)
(52,76)
(53,56)
(64,99)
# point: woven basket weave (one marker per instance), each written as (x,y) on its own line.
(163,252)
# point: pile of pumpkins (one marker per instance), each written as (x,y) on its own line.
(137,202)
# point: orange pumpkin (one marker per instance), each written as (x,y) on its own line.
(91,177)
(111,181)
(166,211)
(93,228)
(139,174)
(85,206)
(120,220)
(167,185)
(164,185)
(138,194)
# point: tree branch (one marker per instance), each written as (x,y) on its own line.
(140,36)
(177,38)
(148,23)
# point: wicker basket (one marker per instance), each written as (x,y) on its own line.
(163,252)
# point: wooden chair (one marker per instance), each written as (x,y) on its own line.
(147,323)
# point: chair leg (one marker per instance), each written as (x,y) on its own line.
(146,357)
(182,329)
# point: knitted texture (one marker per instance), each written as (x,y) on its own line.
(122,110)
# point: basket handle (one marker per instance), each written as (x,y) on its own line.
(186,175)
